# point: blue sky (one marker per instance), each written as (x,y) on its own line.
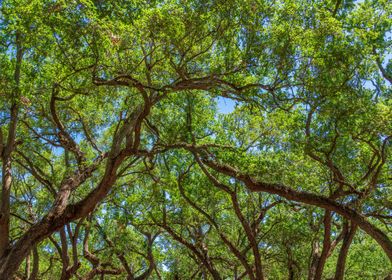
(225,105)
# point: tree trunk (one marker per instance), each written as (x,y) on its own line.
(28,266)
(314,258)
(326,246)
(6,154)
(347,240)
(5,205)
(34,272)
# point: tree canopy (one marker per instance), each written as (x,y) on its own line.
(196,139)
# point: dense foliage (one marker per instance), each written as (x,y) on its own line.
(196,139)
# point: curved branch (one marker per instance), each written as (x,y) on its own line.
(306,197)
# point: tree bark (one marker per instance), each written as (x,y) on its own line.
(347,240)
(314,258)
(326,245)
(5,203)
(6,154)
(35,270)
(28,266)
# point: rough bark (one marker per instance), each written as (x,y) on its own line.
(6,152)
(326,246)
(5,204)
(35,270)
(347,240)
(314,258)
(7,180)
